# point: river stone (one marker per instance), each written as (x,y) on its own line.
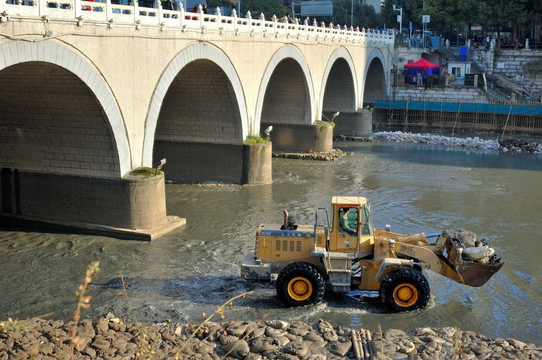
(238,349)
(293,337)
(330,335)
(226,339)
(448,331)
(296,324)
(278,324)
(169,335)
(86,329)
(297,348)
(425,332)
(298,331)
(258,331)
(324,325)
(467,238)
(317,357)
(237,328)
(314,337)
(102,326)
(272,332)
(406,346)
(340,348)
(89,351)
(101,344)
(47,348)
(262,344)
(129,350)
(517,344)
(253,357)
(317,347)
(284,356)
(393,333)
(283,340)
(119,344)
(204,348)
(83,342)
(117,325)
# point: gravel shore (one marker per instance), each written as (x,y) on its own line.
(111,338)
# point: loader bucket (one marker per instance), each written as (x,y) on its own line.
(477,274)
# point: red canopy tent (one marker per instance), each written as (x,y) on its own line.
(421,67)
(422,64)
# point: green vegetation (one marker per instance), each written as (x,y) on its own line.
(364,15)
(448,16)
(324,124)
(145,171)
(11,324)
(255,139)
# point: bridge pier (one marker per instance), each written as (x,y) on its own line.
(133,207)
(356,124)
(302,138)
(192,162)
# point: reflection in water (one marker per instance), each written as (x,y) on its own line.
(411,187)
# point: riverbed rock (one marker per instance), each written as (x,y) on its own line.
(275,340)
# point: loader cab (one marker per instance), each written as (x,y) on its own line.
(352,229)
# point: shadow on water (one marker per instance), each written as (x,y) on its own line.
(445,155)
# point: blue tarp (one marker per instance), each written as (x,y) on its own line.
(454,107)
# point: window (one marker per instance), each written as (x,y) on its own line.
(348,218)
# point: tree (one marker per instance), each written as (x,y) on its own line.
(364,15)
(411,12)
(267,7)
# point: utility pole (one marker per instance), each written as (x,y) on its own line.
(399,18)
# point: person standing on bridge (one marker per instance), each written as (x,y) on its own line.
(167,4)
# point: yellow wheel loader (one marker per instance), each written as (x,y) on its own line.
(349,254)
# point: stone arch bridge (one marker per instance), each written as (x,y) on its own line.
(91,92)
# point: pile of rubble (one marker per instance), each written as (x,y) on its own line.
(504,145)
(472,249)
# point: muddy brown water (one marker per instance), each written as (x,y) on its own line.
(414,188)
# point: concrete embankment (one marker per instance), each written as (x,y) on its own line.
(111,338)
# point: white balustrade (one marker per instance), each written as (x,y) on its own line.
(85,12)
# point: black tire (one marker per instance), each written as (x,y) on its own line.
(300,284)
(405,289)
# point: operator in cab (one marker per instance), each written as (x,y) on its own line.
(344,222)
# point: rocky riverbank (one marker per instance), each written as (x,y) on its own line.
(510,144)
(111,338)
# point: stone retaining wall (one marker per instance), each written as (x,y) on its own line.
(420,93)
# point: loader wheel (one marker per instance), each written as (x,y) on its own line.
(405,289)
(300,284)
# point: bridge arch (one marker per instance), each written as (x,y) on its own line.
(339,88)
(74,71)
(375,78)
(205,56)
(286,78)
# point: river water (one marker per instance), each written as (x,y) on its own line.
(414,188)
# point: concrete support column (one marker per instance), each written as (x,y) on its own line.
(302,138)
(257,164)
(133,207)
(358,124)
(191,162)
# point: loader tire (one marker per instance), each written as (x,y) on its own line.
(405,289)
(300,284)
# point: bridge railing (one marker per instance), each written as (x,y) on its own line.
(106,13)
